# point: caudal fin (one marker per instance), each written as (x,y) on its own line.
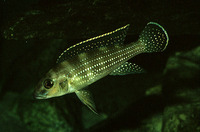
(154,37)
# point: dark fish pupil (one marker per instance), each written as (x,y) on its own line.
(48,83)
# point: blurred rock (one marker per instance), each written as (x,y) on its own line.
(75,19)
(182,73)
(153,124)
(20,114)
(42,116)
(182,118)
(154,90)
(10,120)
(181,88)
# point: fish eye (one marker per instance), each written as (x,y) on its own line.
(48,83)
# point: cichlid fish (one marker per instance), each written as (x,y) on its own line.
(88,61)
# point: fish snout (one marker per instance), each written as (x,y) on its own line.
(40,94)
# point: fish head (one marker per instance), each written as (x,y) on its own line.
(51,85)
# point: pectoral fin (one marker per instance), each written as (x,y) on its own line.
(127,68)
(86,97)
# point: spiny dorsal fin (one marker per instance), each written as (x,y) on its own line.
(105,40)
(127,68)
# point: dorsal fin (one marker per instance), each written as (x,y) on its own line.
(108,39)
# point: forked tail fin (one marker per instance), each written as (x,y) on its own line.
(154,37)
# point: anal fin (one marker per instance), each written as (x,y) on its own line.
(127,68)
(86,98)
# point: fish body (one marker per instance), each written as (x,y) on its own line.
(86,62)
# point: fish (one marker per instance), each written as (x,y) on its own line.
(88,61)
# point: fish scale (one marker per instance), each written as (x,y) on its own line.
(88,61)
(94,68)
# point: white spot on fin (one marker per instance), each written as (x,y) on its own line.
(154,37)
(127,68)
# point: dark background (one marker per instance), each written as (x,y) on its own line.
(165,98)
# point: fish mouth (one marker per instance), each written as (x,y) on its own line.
(39,97)
(36,96)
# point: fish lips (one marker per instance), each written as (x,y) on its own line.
(37,95)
